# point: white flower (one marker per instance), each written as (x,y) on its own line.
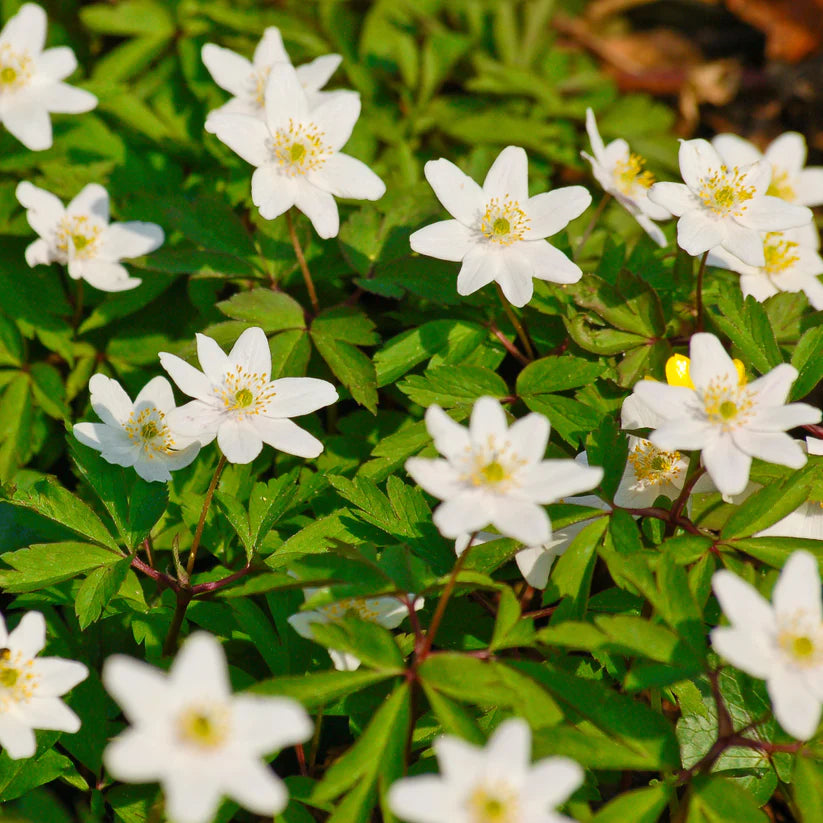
(724,206)
(237,403)
(81,236)
(497,783)
(781,642)
(246,80)
(499,231)
(296,152)
(790,266)
(201,742)
(493,474)
(388,612)
(136,434)
(30,687)
(787,157)
(30,79)
(730,420)
(620,172)
(649,473)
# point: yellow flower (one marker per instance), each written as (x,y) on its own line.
(677,371)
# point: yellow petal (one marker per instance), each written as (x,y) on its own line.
(677,371)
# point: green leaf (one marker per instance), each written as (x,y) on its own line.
(571,419)
(639,806)
(15,425)
(268,502)
(453,718)
(18,777)
(453,386)
(807,788)
(44,564)
(129,17)
(98,589)
(554,374)
(719,800)
(290,353)
(320,688)
(374,645)
(346,324)
(747,325)
(354,370)
(806,359)
(271,310)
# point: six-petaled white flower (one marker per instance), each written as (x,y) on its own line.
(730,420)
(388,612)
(495,474)
(620,172)
(296,152)
(236,402)
(791,265)
(31,79)
(246,79)
(200,741)
(498,232)
(726,206)
(781,642)
(497,783)
(787,157)
(81,237)
(136,434)
(31,686)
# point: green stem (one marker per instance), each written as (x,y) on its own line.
(301,259)
(517,323)
(699,297)
(195,544)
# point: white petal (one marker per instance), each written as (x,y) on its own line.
(445,240)
(271,192)
(696,157)
(745,607)
(239,441)
(43,209)
(139,688)
(774,214)
(270,49)
(594,134)
(157,392)
(744,649)
(550,783)
(535,563)
(132,239)
(668,402)
(135,757)
(787,152)
(488,419)
(319,207)
(549,263)
(508,175)
(196,420)
(200,670)
(62,98)
(189,380)
(798,587)
(26,30)
(808,187)
(285,436)
(268,724)
(523,520)
(551,211)
(336,117)
(514,276)
(190,796)
(797,710)
(459,194)
(651,228)
(709,361)
(39,253)
(57,675)
(509,748)
(49,713)
(727,466)
(675,197)
(314,75)
(29,636)
(213,360)
(736,151)
(103,275)
(422,799)
(295,396)
(114,444)
(255,787)
(109,400)
(29,122)
(345,176)
(773,447)
(744,243)
(529,436)
(636,414)
(772,388)
(228,69)
(467,512)
(450,438)
(251,352)
(760,287)
(552,480)
(437,477)
(245,135)
(697,233)
(285,97)
(478,270)
(343,661)
(16,739)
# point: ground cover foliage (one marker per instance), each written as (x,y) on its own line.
(610,662)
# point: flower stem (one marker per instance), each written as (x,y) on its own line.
(78,305)
(601,207)
(195,544)
(426,645)
(517,323)
(298,252)
(508,345)
(170,643)
(699,297)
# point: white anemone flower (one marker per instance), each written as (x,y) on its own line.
(31,79)
(388,612)
(725,206)
(650,472)
(495,474)
(620,172)
(136,434)
(786,154)
(497,783)
(729,420)
(780,642)
(236,402)
(498,232)
(80,236)
(790,266)
(200,741)
(246,79)
(31,686)
(296,152)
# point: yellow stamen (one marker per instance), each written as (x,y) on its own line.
(504,222)
(781,185)
(653,466)
(204,726)
(629,173)
(779,253)
(725,193)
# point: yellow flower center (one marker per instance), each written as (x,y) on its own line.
(363,608)
(148,429)
(629,173)
(779,253)
(16,69)
(8,677)
(18,682)
(801,639)
(493,804)
(653,466)
(781,185)
(725,192)
(504,222)
(493,472)
(80,235)
(491,464)
(299,149)
(727,405)
(204,726)
(245,392)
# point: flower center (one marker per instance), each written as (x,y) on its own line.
(493,804)
(779,253)
(629,173)
(801,638)
(16,69)
(205,726)
(726,405)
(299,149)
(490,464)
(653,466)
(504,222)
(78,237)
(148,430)
(244,392)
(363,608)
(18,682)
(781,185)
(725,192)
(493,472)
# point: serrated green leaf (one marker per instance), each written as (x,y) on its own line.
(271,310)
(353,368)
(97,590)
